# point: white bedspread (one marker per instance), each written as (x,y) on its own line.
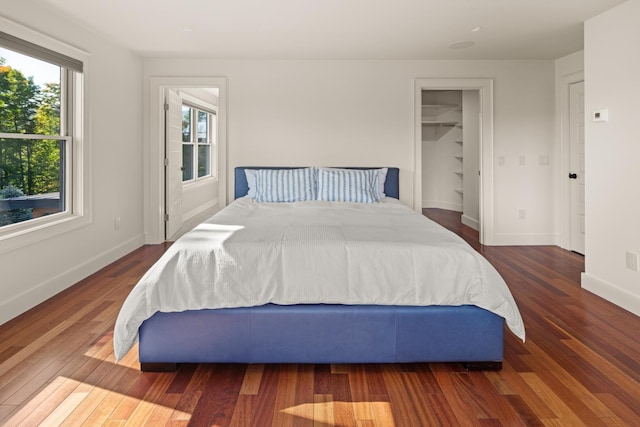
(252,254)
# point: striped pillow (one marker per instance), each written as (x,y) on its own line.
(348,185)
(285,185)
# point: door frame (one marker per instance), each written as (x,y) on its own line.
(564,201)
(485,149)
(154,148)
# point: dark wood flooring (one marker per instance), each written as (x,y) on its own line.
(579,366)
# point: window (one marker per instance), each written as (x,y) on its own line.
(198,143)
(40,122)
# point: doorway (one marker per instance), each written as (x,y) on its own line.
(155,204)
(482,169)
(191,165)
(450,162)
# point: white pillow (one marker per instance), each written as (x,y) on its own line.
(348,185)
(285,185)
(251,182)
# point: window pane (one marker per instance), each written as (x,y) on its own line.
(186,124)
(29,95)
(31,179)
(204,160)
(203,127)
(187,162)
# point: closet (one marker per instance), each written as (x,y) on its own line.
(450,139)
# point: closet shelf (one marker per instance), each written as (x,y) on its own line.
(439,123)
(435,109)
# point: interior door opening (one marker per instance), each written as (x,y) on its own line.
(450,152)
(440,121)
(191,160)
(155,155)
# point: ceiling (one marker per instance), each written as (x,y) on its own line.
(339,29)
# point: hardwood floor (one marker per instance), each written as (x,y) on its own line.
(579,366)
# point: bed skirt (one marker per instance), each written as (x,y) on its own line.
(323,334)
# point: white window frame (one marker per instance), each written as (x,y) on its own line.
(78,198)
(213,138)
(214,147)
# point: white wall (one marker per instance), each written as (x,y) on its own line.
(361,113)
(33,273)
(612,81)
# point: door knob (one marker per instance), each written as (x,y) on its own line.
(573,175)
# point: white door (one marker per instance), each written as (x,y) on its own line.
(576,174)
(173,163)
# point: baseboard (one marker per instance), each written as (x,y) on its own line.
(45,290)
(470,222)
(612,293)
(523,239)
(195,215)
(428,204)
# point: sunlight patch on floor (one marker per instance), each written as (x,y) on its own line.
(324,408)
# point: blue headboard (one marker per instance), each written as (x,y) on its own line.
(241,188)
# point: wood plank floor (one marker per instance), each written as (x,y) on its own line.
(579,366)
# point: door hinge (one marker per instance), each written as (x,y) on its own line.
(166,217)
(166,107)
(166,162)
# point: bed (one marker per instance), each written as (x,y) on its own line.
(327,299)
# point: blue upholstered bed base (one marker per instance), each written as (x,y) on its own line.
(323,333)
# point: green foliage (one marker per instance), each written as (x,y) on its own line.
(33,166)
(186,124)
(47,116)
(18,101)
(12,216)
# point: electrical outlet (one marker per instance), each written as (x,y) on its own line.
(601,115)
(116,223)
(633,263)
(522,214)
(522,160)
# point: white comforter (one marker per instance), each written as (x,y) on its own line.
(252,254)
